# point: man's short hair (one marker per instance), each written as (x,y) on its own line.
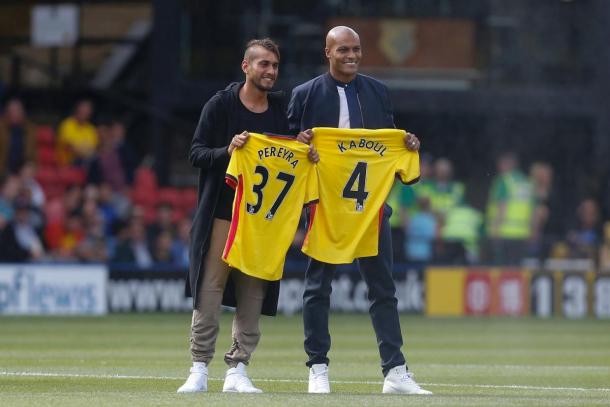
(266,43)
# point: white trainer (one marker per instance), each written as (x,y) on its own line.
(399,380)
(318,379)
(197,380)
(237,381)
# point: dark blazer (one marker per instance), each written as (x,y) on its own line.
(216,128)
(316,104)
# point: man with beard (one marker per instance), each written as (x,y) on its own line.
(223,126)
(343,98)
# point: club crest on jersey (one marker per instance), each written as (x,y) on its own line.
(375,146)
(279,152)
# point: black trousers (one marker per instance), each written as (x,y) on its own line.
(376,271)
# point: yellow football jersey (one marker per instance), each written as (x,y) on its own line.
(355,174)
(273,179)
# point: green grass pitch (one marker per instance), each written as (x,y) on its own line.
(140,360)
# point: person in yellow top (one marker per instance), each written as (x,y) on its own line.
(77,137)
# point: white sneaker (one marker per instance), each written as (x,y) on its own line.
(399,380)
(237,381)
(318,379)
(197,380)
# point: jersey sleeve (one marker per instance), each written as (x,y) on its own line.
(311,192)
(408,168)
(232,174)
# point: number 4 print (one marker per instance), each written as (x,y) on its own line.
(359,194)
(288,179)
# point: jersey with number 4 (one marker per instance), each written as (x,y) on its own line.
(273,179)
(356,171)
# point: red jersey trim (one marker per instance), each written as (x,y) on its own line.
(235,220)
(312,215)
(311,203)
(231,181)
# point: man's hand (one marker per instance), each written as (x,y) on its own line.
(305,136)
(412,142)
(238,141)
(313,154)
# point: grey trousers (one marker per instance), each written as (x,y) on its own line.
(250,292)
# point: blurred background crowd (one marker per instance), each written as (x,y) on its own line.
(80,193)
(95,131)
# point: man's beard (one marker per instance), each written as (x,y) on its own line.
(261,87)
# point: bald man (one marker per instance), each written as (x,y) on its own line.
(346,99)
(248,105)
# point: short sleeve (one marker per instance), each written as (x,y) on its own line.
(311,193)
(232,174)
(408,168)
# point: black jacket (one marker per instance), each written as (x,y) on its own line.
(316,104)
(216,128)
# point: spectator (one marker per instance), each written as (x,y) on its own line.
(421,232)
(19,240)
(17,138)
(444,193)
(509,212)
(108,166)
(134,248)
(461,234)
(107,206)
(403,201)
(27,173)
(541,177)
(77,137)
(73,198)
(24,195)
(180,245)
(127,155)
(93,247)
(585,237)
(163,254)
(71,233)
(604,251)
(164,222)
(9,189)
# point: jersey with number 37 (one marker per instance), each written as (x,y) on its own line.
(273,180)
(356,171)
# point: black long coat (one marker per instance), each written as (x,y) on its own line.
(217,125)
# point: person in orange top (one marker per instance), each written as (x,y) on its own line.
(77,137)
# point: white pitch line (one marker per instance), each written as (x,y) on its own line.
(520,367)
(479,386)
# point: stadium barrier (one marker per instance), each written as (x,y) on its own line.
(49,289)
(568,289)
(163,290)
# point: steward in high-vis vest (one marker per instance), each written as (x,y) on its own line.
(443,192)
(464,224)
(510,208)
(510,212)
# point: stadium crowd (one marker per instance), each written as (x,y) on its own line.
(79,193)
